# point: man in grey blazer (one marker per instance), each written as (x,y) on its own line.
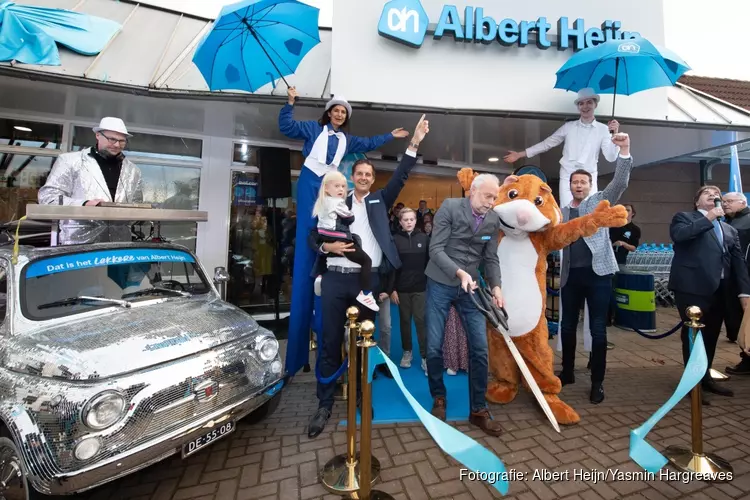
(464,236)
(587,269)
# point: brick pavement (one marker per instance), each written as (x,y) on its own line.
(275,460)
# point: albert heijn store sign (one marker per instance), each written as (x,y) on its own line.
(406,21)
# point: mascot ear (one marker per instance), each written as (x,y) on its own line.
(466,177)
(545,188)
(510,180)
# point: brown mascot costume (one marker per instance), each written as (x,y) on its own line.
(532,227)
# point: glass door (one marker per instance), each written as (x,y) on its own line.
(261,249)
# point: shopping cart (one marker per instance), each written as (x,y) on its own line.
(654,259)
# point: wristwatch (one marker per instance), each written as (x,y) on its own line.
(414,145)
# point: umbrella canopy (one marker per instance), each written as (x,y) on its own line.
(621,67)
(253,43)
(30,34)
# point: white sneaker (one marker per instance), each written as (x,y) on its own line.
(317,286)
(451,372)
(424,365)
(406,359)
(368,301)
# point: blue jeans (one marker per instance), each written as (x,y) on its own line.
(583,284)
(438,302)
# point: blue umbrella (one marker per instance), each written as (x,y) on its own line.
(621,67)
(254,42)
(30,34)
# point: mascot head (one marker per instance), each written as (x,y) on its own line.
(525,203)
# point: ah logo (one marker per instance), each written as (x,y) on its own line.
(404,21)
(629,47)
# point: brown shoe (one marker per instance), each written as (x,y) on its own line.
(483,420)
(438,408)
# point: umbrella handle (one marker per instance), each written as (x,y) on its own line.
(614,96)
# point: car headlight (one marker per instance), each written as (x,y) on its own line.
(87,448)
(267,348)
(104,409)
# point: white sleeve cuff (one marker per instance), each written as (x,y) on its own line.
(625,156)
(743,295)
(411,153)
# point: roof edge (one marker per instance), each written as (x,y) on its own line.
(21,73)
(739,109)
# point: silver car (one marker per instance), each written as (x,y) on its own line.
(114,356)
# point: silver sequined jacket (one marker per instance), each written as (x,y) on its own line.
(77,178)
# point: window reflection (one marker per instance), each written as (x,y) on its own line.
(147,145)
(30,134)
(21,176)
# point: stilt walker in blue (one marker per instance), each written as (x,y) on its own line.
(325,146)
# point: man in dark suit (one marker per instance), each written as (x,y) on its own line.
(464,236)
(738,216)
(340,275)
(707,258)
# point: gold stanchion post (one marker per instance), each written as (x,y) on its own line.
(341,475)
(342,388)
(695,460)
(370,467)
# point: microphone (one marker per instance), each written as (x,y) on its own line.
(717,204)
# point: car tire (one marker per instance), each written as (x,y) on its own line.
(264,411)
(11,466)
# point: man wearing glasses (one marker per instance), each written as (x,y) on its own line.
(91,176)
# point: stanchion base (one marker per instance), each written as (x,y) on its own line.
(342,392)
(708,463)
(340,478)
(717,375)
(374,495)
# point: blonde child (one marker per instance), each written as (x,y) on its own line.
(334,219)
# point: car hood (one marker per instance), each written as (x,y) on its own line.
(127,340)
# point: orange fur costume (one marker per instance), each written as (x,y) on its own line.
(532,228)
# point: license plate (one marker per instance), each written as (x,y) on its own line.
(208,438)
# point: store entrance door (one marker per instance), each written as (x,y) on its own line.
(261,252)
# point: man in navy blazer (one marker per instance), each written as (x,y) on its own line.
(706,258)
(340,281)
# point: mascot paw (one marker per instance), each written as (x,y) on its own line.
(564,414)
(607,216)
(465,178)
(501,392)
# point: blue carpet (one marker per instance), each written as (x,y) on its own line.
(390,405)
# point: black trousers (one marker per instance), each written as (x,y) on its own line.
(358,256)
(715,309)
(338,292)
(733,320)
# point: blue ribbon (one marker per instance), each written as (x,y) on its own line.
(458,445)
(643,453)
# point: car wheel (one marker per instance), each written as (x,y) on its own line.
(264,411)
(13,483)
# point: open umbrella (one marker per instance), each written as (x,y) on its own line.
(621,67)
(30,34)
(256,42)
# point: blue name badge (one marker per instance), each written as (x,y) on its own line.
(373,201)
(486,238)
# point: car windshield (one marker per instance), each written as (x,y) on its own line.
(62,285)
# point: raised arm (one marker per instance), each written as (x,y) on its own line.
(623,167)
(408,160)
(610,150)
(683,228)
(307,130)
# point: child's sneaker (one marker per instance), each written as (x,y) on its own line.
(451,372)
(406,359)
(368,301)
(317,286)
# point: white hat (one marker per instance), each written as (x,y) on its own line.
(112,124)
(587,93)
(340,101)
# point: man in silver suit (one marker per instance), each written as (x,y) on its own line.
(91,176)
